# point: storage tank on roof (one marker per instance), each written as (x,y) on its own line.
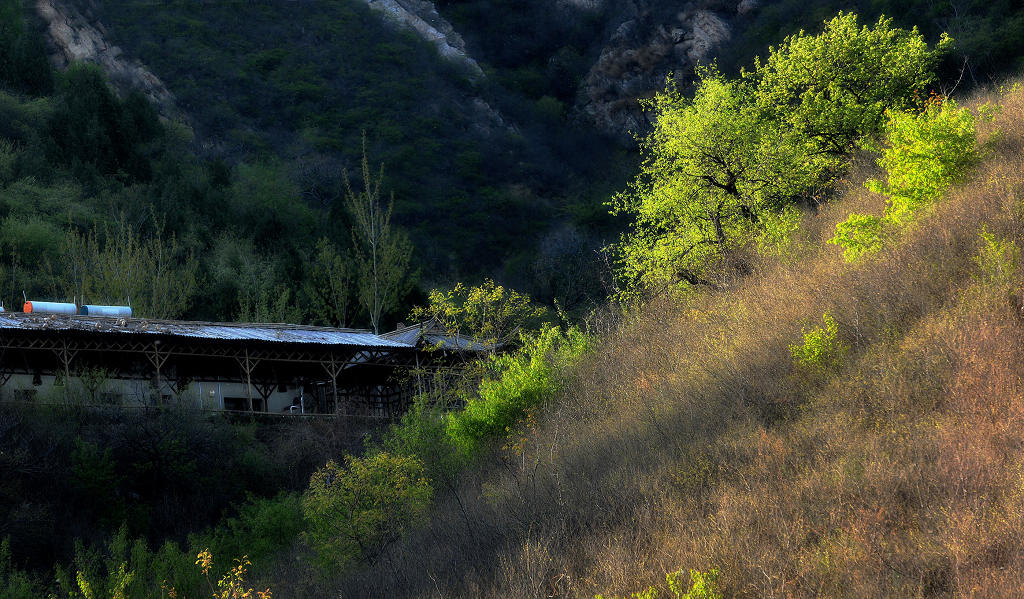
(115,311)
(50,307)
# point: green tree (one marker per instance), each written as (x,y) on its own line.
(722,169)
(711,168)
(488,311)
(23,62)
(154,274)
(93,132)
(15,583)
(355,509)
(330,286)
(383,253)
(251,285)
(834,88)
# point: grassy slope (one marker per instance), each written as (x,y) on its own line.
(690,439)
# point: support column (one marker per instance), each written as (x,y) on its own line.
(5,373)
(65,353)
(248,364)
(157,358)
(334,367)
(419,372)
(265,390)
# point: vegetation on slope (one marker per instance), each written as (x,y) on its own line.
(874,454)
(298,83)
(816,424)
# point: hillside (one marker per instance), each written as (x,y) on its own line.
(539,139)
(500,173)
(691,439)
(796,374)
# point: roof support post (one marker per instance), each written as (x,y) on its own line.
(5,373)
(157,358)
(334,367)
(65,352)
(419,373)
(248,364)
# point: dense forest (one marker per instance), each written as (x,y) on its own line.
(790,369)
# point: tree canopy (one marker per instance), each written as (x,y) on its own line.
(728,165)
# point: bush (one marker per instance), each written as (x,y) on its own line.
(14,584)
(262,527)
(927,153)
(821,351)
(524,380)
(355,510)
(422,433)
(998,263)
(703,585)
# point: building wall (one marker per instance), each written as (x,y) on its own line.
(205,395)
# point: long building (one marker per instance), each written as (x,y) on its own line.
(274,368)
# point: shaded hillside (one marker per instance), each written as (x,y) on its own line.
(502,174)
(300,81)
(692,438)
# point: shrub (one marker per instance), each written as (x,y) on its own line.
(262,527)
(422,433)
(487,311)
(356,509)
(822,350)
(230,586)
(14,583)
(927,153)
(524,380)
(703,585)
(997,260)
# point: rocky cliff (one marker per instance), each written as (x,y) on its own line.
(77,37)
(422,17)
(648,44)
(75,34)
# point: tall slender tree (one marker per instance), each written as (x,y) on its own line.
(383,254)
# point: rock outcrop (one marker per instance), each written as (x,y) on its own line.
(645,48)
(422,17)
(74,37)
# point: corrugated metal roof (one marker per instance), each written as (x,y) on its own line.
(432,333)
(224,331)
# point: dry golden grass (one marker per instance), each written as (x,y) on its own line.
(689,440)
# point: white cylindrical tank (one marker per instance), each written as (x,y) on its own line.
(115,311)
(50,307)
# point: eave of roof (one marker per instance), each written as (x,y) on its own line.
(219,331)
(430,332)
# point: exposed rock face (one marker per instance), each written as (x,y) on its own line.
(644,49)
(75,37)
(422,17)
(592,6)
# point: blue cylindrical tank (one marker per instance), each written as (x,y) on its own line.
(115,311)
(50,307)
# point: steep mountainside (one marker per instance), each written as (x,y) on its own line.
(484,112)
(298,82)
(78,37)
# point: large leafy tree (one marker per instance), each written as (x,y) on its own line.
(833,88)
(730,164)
